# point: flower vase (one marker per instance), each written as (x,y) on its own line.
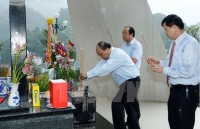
(14,98)
(51,73)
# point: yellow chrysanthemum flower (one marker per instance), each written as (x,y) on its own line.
(50,20)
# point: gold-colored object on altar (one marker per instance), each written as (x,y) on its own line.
(4,71)
(35,94)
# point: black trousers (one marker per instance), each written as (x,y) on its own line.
(182,104)
(126,98)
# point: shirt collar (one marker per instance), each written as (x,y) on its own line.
(111,52)
(132,41)
(178,40)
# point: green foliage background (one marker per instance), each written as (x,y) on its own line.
(36,24)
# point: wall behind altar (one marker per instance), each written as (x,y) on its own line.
(95,20)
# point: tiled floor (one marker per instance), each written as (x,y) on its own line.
(153,115)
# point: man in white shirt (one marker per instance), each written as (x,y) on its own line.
(182,68)
(126,75)
(133,48)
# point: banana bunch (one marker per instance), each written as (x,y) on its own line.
(43,82)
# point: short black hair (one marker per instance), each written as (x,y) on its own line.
(103,45)
(131,30)
(173,19)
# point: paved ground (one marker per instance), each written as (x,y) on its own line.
(153,115)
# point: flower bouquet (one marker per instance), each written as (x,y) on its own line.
(18,72)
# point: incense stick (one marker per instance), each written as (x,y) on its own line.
(81,66)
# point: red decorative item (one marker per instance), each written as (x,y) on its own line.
(48,51)
(70,43)
(170,59)
(58,93)
(2,99)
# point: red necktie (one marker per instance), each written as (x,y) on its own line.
(170,58)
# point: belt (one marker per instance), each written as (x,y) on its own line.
(183,86)
(134,79)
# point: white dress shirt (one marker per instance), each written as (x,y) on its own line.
(185,66)
(134,50)
(119,65)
